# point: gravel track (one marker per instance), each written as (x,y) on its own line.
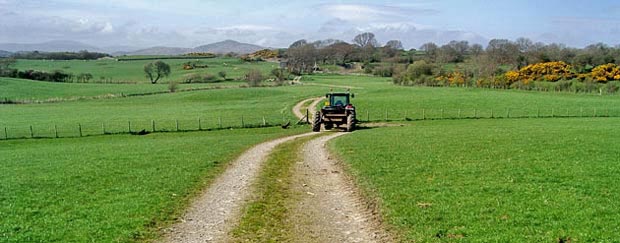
(217,210)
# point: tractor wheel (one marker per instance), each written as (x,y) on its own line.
(316,125)
(350,123)
(328,126)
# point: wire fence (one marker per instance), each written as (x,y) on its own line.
(145,126)
(139,126)
(374,115)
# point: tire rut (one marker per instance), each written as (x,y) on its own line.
(331,208)
(217,210)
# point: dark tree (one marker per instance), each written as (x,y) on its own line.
(156,70)
(366,39)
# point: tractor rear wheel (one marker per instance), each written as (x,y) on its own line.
(316,125)
(350,123)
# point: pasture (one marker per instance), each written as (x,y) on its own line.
(509,180)
(442,176)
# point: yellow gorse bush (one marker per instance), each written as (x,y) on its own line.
(606,72)
(548,71)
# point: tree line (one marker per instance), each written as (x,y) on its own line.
(81,55)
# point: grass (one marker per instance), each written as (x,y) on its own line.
(266,217)
(510,180)
(132,71)
(109,188)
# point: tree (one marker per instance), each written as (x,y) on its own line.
(254,77)
(5,63)
(394,44)
(156,70)
(503,51)
(431,50)
(366,39)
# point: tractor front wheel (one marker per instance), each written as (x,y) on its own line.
(316,125)
(350,123)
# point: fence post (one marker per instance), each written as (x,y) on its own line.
(441,113)
(80,129)
(367,115)
(459,113)
(405,118)
(176,122)
(492,115)
(129,126)
(581,111)
(6,133)
(567,113)
(423,114)
(507,112)
(265,121)
(219,122)
(386,114)
(153,125)
(31,132)
(103,127)
(537,112)
(552,112)
(55,131)
(199,125)
(594,112)
(607,111)
(476,113)
(242,123)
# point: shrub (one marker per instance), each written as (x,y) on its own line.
(172,86)
(254,77)
(222,74)
(606,72)
(612,87)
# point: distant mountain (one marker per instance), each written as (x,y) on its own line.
(229,46)
(4,53)
(50,46)
(159,50)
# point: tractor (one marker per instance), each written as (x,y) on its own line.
(337,111)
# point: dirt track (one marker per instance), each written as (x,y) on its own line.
(330,209)
(213,214)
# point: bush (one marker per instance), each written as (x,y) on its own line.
(383,71)
(612,87)
(254,77)
(200,78)
(172,86)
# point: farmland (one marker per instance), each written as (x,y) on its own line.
(441,174)
(533,180)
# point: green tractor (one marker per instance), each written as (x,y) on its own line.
(337,111)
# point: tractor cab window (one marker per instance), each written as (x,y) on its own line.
(339,100)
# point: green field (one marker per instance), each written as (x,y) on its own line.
(132,71)
(515,180)
(110,188)
(450,179)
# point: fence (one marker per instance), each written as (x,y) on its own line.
(65,130)
(374,115)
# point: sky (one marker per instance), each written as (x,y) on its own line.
(277,23)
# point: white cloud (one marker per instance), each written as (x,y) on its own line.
(247,27)
(367,13)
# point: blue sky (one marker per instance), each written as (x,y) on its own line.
(277,23)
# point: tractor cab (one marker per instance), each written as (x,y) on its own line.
(337,111)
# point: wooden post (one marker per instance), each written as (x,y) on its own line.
(265,121)
(508,113)
(129,126)
(492,115)
(31,132)
(153,125)
(594,112)
(219,122)
(476,113)
(567,113)
(80,129)
(441,113)
(552,112)
(423,114)
(177,124)
(103,127)
(538,112)
(459,113)
(6,133)
(199,125)
(242,123)
(386,115)
(367,116)
(581,111)
(55,131)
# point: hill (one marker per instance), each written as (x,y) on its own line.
(4,53)
(229,46)
(50,46)
(159,50)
